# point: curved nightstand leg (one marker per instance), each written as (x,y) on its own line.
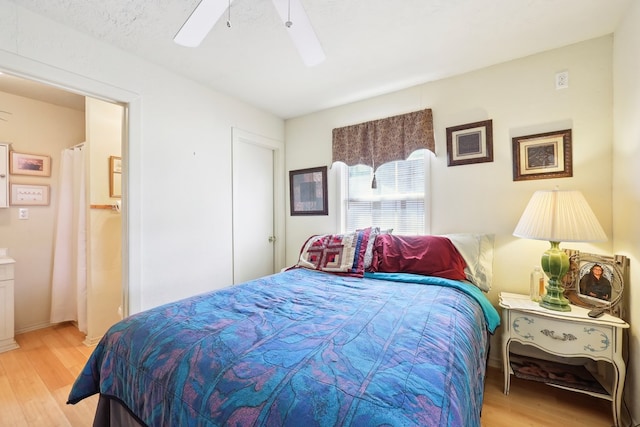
(616,392)
(505,364)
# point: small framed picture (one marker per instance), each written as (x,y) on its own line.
(29,164)
(29,195)
(115,177)
(541,156)
(470,143)
(308,191)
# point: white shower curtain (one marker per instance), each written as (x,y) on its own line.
(69,279)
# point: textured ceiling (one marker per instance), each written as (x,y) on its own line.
(372,46)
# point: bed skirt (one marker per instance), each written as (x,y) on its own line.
(113,413)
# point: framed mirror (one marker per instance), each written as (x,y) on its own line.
(596,280)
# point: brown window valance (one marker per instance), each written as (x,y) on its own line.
(385,140)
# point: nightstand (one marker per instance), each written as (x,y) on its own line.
(570,339)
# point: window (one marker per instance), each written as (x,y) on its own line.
(398,202)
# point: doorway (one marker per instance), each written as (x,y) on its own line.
(35,289)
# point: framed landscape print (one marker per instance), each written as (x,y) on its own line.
(29,164)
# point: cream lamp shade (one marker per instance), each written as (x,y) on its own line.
(558,216)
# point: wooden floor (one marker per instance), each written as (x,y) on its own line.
(36,378)
(533,404)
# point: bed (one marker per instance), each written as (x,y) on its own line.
(335,340)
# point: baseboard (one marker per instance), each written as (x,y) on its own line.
(495,362)
(91,342)
(33,328)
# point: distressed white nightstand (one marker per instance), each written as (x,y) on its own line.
(573,336)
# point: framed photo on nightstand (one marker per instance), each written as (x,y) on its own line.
(596,280)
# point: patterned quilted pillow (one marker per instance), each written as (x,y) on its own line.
(336,253)
(368,255)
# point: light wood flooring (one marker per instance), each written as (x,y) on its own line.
(36,378)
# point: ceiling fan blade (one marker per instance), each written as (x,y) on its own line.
(301,31)
(200,22)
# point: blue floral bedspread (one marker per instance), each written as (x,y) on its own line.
(302,348)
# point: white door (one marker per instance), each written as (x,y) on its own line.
(255,162)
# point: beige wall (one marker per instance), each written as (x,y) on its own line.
(626,182)
(521,99)
(46,129)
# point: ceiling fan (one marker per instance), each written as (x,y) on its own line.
(295,19)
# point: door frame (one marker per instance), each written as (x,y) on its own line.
(277,147)
(131,153)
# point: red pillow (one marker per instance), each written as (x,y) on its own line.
(426,255)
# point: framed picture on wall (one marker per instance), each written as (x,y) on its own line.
(544,155)
(470,143)
(308,191)
(115,176)
(29,195)
(29,164)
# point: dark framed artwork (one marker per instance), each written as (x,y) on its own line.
(470,143)
(541,156)
(308,191)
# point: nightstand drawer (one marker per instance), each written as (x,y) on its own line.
(568,338)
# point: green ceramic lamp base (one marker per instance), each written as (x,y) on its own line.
(555,264)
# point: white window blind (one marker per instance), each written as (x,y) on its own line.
(397,203)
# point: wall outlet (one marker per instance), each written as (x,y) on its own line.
(23,213)
(562,80)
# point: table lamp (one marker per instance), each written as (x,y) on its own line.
(558,216)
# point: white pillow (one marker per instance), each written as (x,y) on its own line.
(477,251)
